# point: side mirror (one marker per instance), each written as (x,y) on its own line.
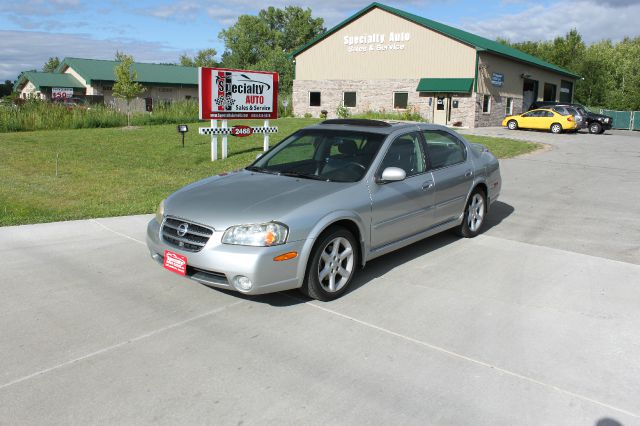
(392,174)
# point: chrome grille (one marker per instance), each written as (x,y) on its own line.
(195,237)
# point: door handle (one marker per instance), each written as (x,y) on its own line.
(427,185)
(468,173)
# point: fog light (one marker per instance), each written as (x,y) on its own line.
(242,283)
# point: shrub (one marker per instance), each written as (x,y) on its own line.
(342,111)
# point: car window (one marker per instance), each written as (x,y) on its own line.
(444,149)
(341,156)
(534,113)
(406,153)
(546,114)
(561,110)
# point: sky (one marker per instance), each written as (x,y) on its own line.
(31,31)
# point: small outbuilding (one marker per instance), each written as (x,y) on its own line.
(385,59)
(95,78)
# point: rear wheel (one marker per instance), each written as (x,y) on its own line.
(332,265)
(556,128)
(474,213)
(595,128)
(512,125)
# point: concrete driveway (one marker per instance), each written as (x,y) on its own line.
(534,322)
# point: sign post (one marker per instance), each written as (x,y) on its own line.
(240,95)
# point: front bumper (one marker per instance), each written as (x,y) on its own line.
(218,264)
(606,126)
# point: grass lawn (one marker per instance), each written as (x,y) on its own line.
(119,171)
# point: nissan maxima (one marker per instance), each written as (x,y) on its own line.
(319,205)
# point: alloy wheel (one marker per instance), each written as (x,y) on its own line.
(475,216)
(336,264)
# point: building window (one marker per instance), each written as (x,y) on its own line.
(349,99)
(314,98)
(509,109)
(400,100)
(486,104)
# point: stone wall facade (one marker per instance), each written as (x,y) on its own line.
(464,114)
(371,95)
(498,110)
(377,96)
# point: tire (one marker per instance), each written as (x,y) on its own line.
(512,125)
(556,128)
(595,128)
(474,214)
(332,265)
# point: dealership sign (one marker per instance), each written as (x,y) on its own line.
(376,42)
(61,92)
(237,94)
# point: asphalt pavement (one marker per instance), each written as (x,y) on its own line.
(533,322)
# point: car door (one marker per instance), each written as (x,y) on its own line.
(452,172)
(526,120)
(536,119)
(402,208)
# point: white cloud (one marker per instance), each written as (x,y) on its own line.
(546,23)
(26,50)
(184,9)
(333,11)
(33,8)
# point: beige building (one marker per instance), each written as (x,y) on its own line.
(94,79)
(385,59)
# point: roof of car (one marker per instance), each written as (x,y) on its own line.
(374,126)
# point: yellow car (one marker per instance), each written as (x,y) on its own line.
(541,119)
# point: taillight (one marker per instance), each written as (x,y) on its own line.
(570,118)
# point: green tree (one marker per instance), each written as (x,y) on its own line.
(126,87)
(204,58)
(263,42)
(6,89)
(51,64)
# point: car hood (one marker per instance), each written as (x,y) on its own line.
(245,197)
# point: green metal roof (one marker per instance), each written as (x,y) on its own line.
(445,85)
(47,79)
(480,43)
(96,69)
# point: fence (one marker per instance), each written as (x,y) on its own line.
(627,120)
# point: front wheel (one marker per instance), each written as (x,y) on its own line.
(512,125)
(474,213)
(332,265)
(595,128)
(556,128)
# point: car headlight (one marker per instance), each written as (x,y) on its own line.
(260,235)
(160,212)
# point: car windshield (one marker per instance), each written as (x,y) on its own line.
(330,155)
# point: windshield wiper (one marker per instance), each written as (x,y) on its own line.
(261,170)
(302,175)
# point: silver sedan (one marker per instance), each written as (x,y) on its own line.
(316,207)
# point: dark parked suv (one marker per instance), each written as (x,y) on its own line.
(596,123)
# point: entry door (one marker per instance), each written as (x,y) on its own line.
(441,110)
(404,208)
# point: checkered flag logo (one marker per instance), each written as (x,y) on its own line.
(225,101)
